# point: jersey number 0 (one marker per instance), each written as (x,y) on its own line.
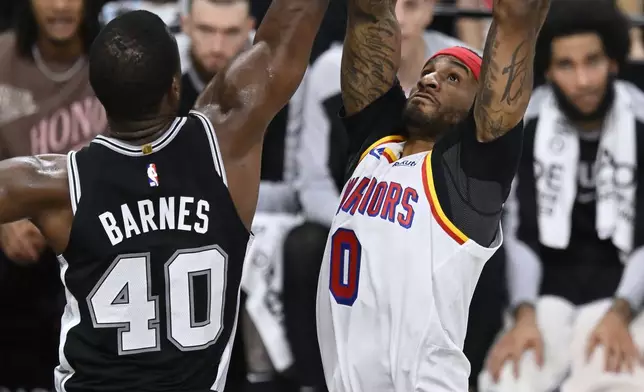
(123,299)
(344,279)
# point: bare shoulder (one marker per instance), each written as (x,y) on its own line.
(41,172)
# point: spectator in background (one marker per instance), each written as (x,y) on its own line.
(577,261)
(473,30)
(168,10)
(46,106)
(218,31)
(321,161)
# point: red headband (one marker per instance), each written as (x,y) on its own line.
(467,57)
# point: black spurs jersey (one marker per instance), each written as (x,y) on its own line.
(153,267)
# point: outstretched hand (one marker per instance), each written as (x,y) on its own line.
(613,334)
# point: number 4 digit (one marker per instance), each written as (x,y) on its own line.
(344,279)
(122,299)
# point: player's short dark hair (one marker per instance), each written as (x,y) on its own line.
(568,17)
(132,64)
(26,27)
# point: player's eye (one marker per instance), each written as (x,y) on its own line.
(453,78)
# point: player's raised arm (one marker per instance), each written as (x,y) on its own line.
(243,98)
(507,69)
(371,54)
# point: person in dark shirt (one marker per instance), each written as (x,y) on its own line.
(218,31)
(577,213)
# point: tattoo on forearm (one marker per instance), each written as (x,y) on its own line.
(505,88)
(367,65)
(516,71)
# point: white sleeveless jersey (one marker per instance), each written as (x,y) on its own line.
(396,281)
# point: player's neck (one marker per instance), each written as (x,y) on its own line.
(141,131)
(414,146)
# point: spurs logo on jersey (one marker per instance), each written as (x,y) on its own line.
(395,271)
(153,267)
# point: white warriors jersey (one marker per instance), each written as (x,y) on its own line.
(396,281)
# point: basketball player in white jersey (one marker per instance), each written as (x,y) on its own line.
(420,213)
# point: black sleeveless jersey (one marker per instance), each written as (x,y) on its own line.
(153,267)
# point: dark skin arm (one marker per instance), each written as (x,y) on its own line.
(36,188)
(243,98)
(371,54)
(505,83)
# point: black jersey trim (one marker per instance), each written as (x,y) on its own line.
(214,144)
(147,149)
(74,180)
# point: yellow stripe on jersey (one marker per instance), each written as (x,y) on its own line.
(437,211)
(391,157)
(386,139)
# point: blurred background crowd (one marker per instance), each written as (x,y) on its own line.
(559,286)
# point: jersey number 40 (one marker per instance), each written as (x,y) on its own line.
(123,299)
(344,278)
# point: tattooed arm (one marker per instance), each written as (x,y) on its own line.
(371,54)
(506,73)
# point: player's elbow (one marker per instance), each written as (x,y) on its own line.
(287,79)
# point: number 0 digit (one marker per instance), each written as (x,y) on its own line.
(345,266)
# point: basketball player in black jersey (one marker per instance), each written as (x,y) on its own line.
(152,221)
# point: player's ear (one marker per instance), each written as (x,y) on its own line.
(174,95)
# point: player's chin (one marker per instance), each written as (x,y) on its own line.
(418,115)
